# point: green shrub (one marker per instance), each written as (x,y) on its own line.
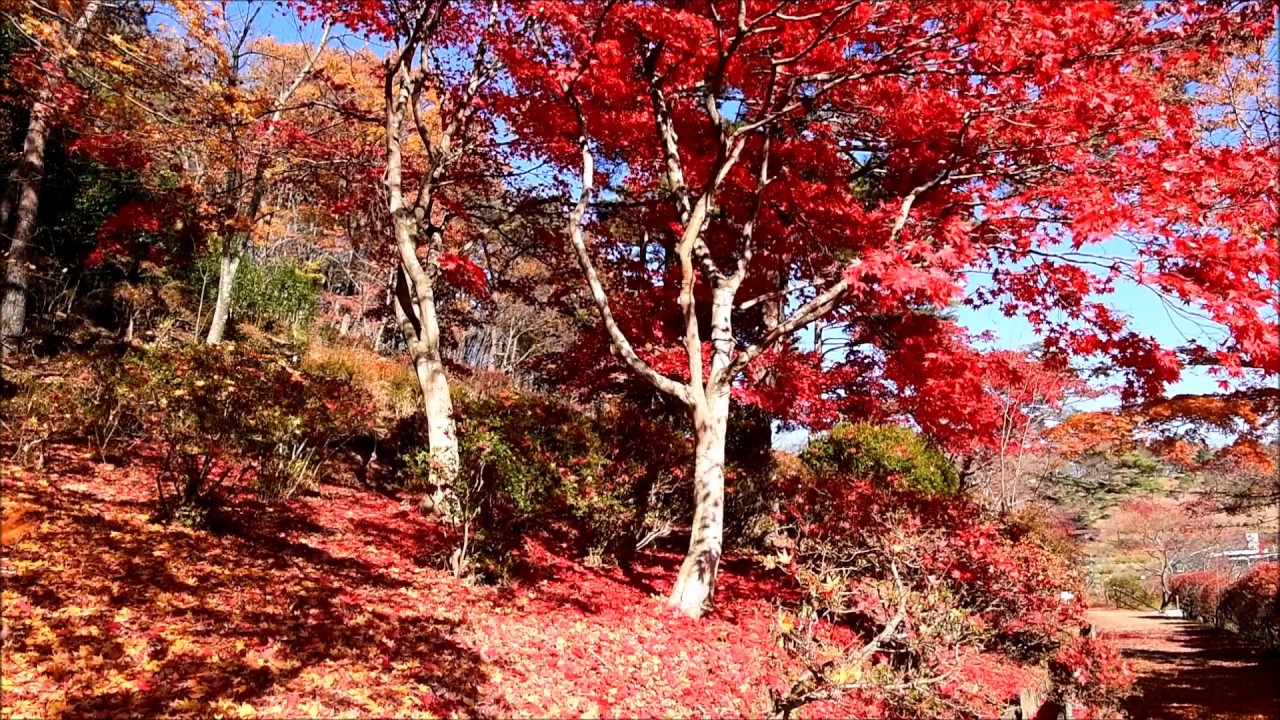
(110,418)
(1129,593)
(751,482)
(648,460)
(293,469)
(33,411)
(196,403)
(1052,531)
(282,292)
(302,430)
(223,412)
(884,454)
(85,401)
(530,464)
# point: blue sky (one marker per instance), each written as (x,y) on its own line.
(1148,316)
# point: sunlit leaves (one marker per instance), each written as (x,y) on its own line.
(342,614)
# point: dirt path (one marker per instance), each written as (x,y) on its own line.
(1188,671)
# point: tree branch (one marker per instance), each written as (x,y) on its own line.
(827,300)
(576,220)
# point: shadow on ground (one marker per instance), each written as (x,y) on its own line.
(250,587)
(1188,671)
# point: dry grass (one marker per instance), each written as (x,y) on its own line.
(391,383)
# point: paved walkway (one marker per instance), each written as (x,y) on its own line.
(1188,671)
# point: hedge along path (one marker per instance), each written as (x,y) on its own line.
(1190,671)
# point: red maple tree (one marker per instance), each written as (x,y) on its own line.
(851,162)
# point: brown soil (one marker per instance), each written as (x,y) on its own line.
(1189,671)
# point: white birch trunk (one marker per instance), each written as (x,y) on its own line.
(228,263)
(696,581)
(415,309)
(695,585)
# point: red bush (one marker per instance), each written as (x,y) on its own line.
(1251,605)
(941,607)
(1198,594)
(1087,671)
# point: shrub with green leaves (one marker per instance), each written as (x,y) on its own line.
(33,411)
(884,454)
(283,292)
(222,412)
(530,463)
(303,431)
(196,402)
(1129,593)
(87,401)
(751,479)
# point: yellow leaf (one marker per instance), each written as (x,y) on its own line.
(846,674)
(786,622)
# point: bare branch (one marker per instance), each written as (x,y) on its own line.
(576,237)
(748,230)
(576,220)
(827,689)
(819,38)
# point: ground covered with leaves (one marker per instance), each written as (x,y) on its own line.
(334,605)
(1191,671)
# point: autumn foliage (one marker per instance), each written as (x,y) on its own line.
(1247,605)
(535,647)
(1198,594)
(432,357)
(16,524)
(899,590)
(1252,603)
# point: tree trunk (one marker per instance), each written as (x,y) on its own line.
(7,202)
(415,307)
(417,319)
(236,244)
(441,433)
(416,313)
(227,266)
(696,581)
(27,178)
